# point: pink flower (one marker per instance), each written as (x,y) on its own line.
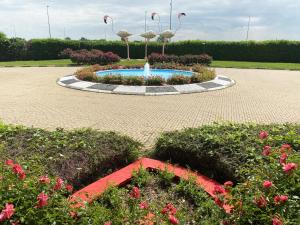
(277,221)
(69,188)
(9,162)
(228,184)
(58,184)
(285,147)
(107,223)
(267,184)
(218,202)
(173,219)
(135,192)
(144,205)
(280,199)
(263,135)
(169,209)
(44,180)
(42,200)
(261,202)
(218,190)
(73,214)
(267,150)
(289,167)
(7,212)
(283,158)
(17,169)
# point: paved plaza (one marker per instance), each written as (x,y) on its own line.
(31,97)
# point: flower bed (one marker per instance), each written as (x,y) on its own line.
(201,74)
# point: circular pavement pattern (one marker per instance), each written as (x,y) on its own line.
(31,97)
(220,82)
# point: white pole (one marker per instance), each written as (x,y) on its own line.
(247,38)
(48,21)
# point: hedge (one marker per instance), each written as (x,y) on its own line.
(79,156)
(262,51)
(221,151)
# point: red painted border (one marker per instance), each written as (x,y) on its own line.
(123,176)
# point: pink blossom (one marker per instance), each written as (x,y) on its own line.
(285,147)
(283,158)
(218,202)
(7,212)
(144,205)
(42,200)
(280,199)
(17,169)
(44,180)
(173,219)
(289,167)
(228,184)
(267,184)
(135,192)
(58,184)
(263,135)
(277,221)
(261,202)
(69,188)
(267,150)
(218,190)
(9,162)
(107,223)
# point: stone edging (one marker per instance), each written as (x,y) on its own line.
(220,82)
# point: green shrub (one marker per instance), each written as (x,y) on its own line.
(221,150)
(178,79)
(79,156)
(86,74)
(134,80)
(112,79)
(155,81)
(202,74)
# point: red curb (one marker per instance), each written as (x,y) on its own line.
(123,176)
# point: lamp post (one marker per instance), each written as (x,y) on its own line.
(48,21)
(171,12)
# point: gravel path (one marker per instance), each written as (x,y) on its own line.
(30,96)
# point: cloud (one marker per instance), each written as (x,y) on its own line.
(213,20)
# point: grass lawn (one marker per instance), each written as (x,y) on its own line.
(221,64)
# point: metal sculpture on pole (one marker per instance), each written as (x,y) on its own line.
(168,34)
(123,34)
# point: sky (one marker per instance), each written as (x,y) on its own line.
(205,20)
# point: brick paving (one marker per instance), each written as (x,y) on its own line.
(31,97)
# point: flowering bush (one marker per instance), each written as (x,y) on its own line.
(26,199)
(178,79)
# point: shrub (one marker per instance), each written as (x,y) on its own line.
(174,66)
(112,79)
(155,81)
(178,79)
(28,198)
(86,74)
(78,156)
(202,74)
(94,56)
(220,151)
(184,59)
(134,80)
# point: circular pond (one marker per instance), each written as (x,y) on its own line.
(164,73)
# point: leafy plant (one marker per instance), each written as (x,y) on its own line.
(202,74)
(86,74)
(155,81)
(178,79)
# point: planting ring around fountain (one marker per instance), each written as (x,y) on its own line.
(220,82)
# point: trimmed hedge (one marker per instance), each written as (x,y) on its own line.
(79,156)
(259,51)
(190,60)
(221,151)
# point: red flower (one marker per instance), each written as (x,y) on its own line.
(7,212)
(42,200)
(135,192)
(17,169)
(283,158)
(280,199)
(267,184)
(285,147)
(9,162)
(58,184)
(267,150)
(169,209)
(107,223)
(228,184)
(218,202)
(44,180)
(144,205)
(261,202)
(289,167)
(173,219)
(218,190)
(263,135)
(277,221)
(69,188)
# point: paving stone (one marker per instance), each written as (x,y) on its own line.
(209,85)
(160,89)
(81,84)
(70,81)
(104,87)
(130,89)
(186,88)
(225,79)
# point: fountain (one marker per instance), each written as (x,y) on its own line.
(147,70)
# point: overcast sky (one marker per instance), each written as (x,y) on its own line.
(205,20)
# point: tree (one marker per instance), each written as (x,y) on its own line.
(2,35)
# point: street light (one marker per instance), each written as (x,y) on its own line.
(171,11)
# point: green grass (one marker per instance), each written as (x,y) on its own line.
(221,64)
